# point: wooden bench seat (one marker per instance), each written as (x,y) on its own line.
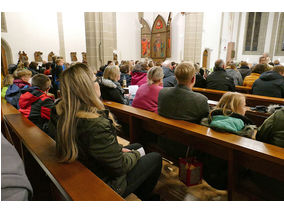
(238,151)
(71,181)
(251,100)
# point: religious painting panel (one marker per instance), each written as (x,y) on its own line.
(37,56)
(169,36)
(145,39)
(84,57)
(158,45)
(49,57)
(73,56)
(23,57)
(159,39)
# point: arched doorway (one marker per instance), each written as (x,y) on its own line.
(205,58)
(6,56)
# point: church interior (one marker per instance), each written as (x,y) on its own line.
(142,106)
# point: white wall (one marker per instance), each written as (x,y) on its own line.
(128,35)
(31,32)
(74,34)
(34,31)
(211,34)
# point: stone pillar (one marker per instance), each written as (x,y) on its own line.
(193,37)
(61,36)
(100,30)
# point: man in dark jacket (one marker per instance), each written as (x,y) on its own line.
(244,69)
(35,104)
(181,102)
(199,79)
(219,80)
(270,83)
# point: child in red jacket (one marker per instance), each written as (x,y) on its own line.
(35,102)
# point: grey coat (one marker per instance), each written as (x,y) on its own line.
(236,75)
(15,185)
(182,103)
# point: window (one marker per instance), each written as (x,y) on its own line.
(255,33)
(279,48)
(253,29)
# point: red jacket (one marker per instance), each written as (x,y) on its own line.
(36,105)
(138,78)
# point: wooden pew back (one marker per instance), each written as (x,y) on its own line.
(251,100)
(260,157)
(68,181)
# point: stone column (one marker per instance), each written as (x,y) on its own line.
(193,37)
(100,30)
(61,36)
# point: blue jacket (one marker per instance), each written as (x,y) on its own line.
(13,95)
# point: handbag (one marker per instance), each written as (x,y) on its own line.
(190,170)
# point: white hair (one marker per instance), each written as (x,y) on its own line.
(166,63)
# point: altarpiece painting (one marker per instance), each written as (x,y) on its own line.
(156,43)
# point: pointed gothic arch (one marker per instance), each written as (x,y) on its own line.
(205,58)
(159,39)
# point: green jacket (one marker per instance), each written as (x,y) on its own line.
(235,123)
(3,92)
(272,129)
(99,150)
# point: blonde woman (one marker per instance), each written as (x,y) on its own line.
(147,94)
(84,130)
(110,87)
(229,115)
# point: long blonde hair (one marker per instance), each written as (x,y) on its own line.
(78,95)
(230,102)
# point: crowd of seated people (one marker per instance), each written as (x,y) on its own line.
(163,88)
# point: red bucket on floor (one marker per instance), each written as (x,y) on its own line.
(190,171)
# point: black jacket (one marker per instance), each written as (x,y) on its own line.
(200,81)
(170,81)
(167,72)
(219,80)
(270,83)
(56,72)
(127,77)
(245,71)
(112,91)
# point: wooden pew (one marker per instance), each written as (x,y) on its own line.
(243,89)
(257,117)
(251,100)
(238,151)
(52,180)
